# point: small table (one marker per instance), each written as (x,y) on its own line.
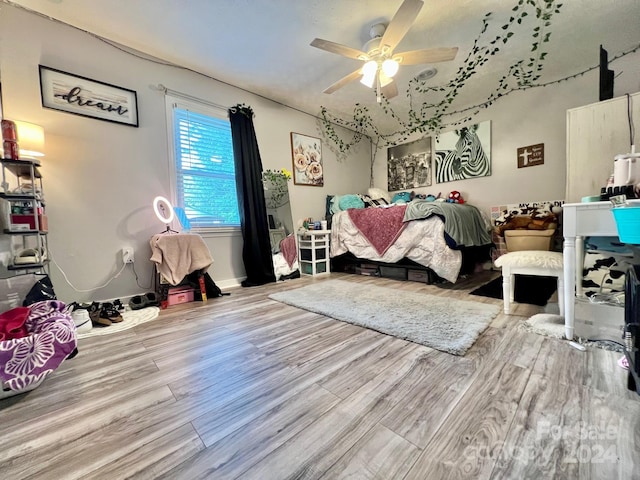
(580,220)
(313,252)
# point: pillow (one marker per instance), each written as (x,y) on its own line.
(401,197)
(335,204)
(370,202)
(350,201)
(327,206)
(378,193)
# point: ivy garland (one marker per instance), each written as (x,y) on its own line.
(423,116)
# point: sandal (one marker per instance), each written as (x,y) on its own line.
(95,315)
(107,311)
(117,304)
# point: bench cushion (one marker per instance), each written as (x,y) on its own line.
(531,258)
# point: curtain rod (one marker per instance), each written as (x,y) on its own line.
(161,88)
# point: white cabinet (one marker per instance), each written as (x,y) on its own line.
(596,133)
(313,252)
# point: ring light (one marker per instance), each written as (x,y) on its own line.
(160,206)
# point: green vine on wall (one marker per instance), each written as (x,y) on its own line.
(428,106)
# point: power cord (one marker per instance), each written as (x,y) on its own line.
(604,340)
(137,280)
(90,289)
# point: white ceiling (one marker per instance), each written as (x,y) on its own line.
(263,45)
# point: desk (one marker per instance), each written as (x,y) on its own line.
(581,220)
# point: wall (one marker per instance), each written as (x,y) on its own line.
(527,118)
(100,178)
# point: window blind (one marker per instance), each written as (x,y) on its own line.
(205,172)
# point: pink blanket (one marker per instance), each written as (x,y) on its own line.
(380,226)
(289,250)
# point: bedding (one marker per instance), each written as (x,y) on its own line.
(420,241)
(285,262)
(463,223)
(432,234)
(27,361)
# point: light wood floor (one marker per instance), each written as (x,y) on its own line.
(245,387)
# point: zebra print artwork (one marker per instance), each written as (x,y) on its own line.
(464,153)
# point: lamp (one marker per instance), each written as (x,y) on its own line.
(390,67)
(30,140)
(369,70)
(384,79)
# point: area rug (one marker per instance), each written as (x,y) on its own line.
(546,324)
(551,325)
(443,323)
(130,319)
(534,290)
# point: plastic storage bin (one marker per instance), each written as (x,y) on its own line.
(179,295)
(628,223)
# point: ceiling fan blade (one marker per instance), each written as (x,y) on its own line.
(390,90)
(338,48)
(428,55)
(343,81)
(400,24)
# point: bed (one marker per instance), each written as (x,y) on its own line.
(446,238)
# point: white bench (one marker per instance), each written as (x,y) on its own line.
(530,262)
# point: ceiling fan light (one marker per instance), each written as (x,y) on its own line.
(369,70)
(390,67)
(384,79)
(368,80)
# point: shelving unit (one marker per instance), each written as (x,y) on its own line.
(22,214)
(313,252)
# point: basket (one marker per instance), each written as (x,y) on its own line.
(628,222)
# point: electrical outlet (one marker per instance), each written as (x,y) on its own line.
(127,255)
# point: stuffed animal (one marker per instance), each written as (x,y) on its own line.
(455,197)
(535,221)
(401,197)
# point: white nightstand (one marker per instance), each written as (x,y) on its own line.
(313,252)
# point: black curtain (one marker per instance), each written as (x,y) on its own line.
(256,251)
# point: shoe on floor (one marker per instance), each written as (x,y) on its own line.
(138,302)
(97,319)
(107,311)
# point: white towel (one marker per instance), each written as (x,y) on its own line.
(179,254)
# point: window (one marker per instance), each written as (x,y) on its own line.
(205,184)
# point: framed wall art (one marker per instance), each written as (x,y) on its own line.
(409,165)
(464,153)
(71,93)
(306,152)
(531,155)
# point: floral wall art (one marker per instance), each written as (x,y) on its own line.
(307,160)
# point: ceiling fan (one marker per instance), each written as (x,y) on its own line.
(381,64)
